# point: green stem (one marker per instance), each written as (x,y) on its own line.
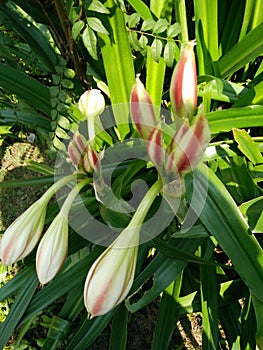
(180,15)
(55,187)
(146,204)
(72,195)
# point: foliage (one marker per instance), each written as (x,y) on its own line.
(51,53)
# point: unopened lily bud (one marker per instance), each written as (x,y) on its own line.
(91,160)
(142,109)
(80,141)
(183,88)
(91,103)
(155,147)
(52,250)
(189,144)
(21,237)
(74,153)
(111,276)
(53,247)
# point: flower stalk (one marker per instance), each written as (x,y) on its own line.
(53,247)
(111,276)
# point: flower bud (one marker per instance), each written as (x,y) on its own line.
(80,142)
(91,103)
(91,160)
(183,88)
(142,110)
(188,145)
(52,249)
(74,153)
(21,237)
(111,276)
(155,147)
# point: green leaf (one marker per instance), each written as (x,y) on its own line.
(245,51)
(247,146)
(209,303)
(22,301)
(143,41)
(227,119)
(160,26)
(167,316)
(169,53)
(133,20)
(118,337)
(164,271)
(97,6)
(89,331)
(224,221)
(173,30)
(155,71)
(206,27)
(90,41)
(253,212)
(96,24)
(140,7)
(31,34)
(148,24)
(134,41)
(26,87)
(220,89)
(252,96)
(116,49)
(156,49)
(77,28)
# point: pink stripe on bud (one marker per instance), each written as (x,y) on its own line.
(189,145)
(155,147)
(142,109)
(183,88)
(91,160)
(111,276)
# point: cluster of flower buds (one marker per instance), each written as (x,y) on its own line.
(82,154)
(187,145)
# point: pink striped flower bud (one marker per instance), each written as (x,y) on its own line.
(111,276)
(155,147)
(142,109)
(91,160)
(74,153)
(52,250)
(187,147)
(183,88)
(21,237)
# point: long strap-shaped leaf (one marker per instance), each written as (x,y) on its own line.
(249,48)
(155,71)
(227,119)
(224,221)
(24,296)
(206,27)
(32,35)
(117,59)
(25,87)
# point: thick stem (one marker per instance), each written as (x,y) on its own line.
(180,15)
(72,195)
(146,204)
